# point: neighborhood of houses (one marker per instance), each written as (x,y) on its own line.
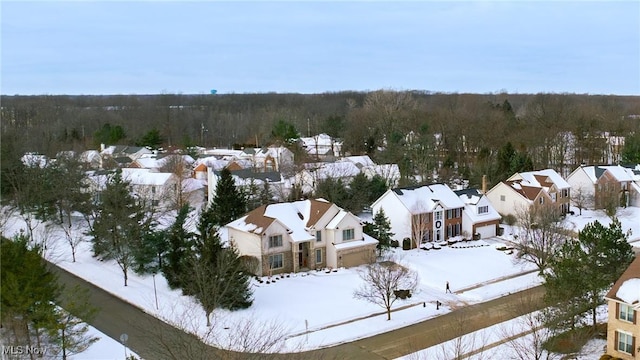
(312,233)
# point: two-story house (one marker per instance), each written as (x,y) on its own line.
(301,235)
(479,218)
(422,213)
(599,186)
(623,328)
(532,188)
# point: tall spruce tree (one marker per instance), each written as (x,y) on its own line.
(218,278)
(178,244)
(382,231)
(119,225)
(229,203)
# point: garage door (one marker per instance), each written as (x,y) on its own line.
(356,258)
(486,231)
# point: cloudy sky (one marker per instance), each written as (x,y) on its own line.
(150,47)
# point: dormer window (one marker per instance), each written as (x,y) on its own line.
(483,209)
(348,234)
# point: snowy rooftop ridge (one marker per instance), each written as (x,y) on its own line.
(629,291)
(424,198)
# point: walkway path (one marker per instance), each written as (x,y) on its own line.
(153,339)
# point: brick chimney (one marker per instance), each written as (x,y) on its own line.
(484,184)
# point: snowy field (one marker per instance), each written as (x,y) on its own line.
(317,309)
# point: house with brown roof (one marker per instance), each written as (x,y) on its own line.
(623,301)
(532,188)
(301,235)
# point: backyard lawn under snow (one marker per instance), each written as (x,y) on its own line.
(317,309)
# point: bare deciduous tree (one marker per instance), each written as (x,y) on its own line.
(381,280)
(540,234)
(581,198)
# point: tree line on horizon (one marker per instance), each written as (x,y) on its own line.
(429,135)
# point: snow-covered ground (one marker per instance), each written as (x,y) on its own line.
(317,309)
(105,348)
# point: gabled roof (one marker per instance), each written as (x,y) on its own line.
(542,178)
(298,217)
(528,192)
(471,198)
(627,277)
(145,177)
(424,198)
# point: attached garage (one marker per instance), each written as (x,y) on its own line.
(356,257)
(486,231)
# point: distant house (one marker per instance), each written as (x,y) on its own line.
(273,158)
(479,217)
(155,188)
(623,328)
(301,235)
(422,213)
(532,188)
(322,146)
(119,151)
(314,173)
(598,185)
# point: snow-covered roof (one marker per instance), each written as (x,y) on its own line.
(298,217)
(472,200)
(212,162)
(627,287)
(629,291)
(533,178)
(424,198)
(34,160)
(145,176)
(336,219)
(366,240)
(337,170)
(319,140)
(360,161)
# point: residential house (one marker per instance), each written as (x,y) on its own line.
(422,213)
(155,188)
(598,186)
(623,301)
(273,158)
(301,235)
(120,151)
(479,218)
(322,146)
(314,173)
(532,188)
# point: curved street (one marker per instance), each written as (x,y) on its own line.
(154,339)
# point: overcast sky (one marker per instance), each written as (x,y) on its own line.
(151,47)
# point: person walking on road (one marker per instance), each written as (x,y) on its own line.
(447,290)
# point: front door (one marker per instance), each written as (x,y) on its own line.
(303,253)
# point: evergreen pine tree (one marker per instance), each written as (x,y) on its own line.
(178,243)
(382,231)
(119,225)
(218,278)
(71,332)
(27,292)
(229,203)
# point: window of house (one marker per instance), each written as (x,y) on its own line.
(625,313)
(449,230)
(275,241)
(502,198)
(553,196)
(348,234)
(438,215)
(276,261)
(449,214)
(318,256)
(541,200)
(625,342)
(318,235)
(483,209)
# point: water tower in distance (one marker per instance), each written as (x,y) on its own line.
(214,91)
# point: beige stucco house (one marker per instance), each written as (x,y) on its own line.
(301,235)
